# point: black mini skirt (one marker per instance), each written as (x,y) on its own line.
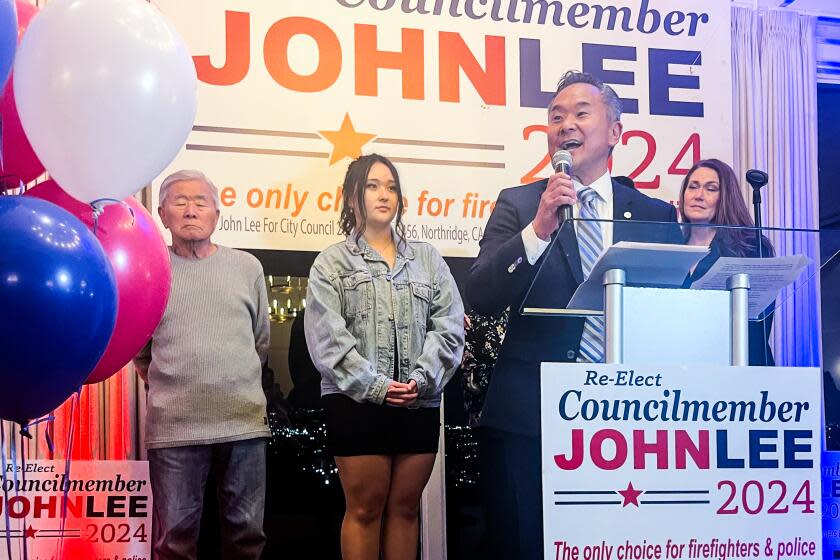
(371,429)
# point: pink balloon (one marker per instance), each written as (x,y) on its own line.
(140,259)
(19,158)
(25,12)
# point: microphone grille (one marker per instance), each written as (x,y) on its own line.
(561,157)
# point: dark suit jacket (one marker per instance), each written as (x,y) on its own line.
(501,274)
(758,331)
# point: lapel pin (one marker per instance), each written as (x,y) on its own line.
(628,215)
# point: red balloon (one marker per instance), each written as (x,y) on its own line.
(19,158)
(140,260)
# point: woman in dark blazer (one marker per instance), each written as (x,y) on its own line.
(710,194)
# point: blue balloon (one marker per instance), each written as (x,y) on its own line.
(8,38)
(58,306)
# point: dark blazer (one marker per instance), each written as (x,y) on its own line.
(758,331)
(501,274)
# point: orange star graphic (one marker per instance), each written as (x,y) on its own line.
(346,141)
(630,495)
(30,532)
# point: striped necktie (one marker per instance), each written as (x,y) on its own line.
(591,245)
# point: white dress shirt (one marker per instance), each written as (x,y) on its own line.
(535,247)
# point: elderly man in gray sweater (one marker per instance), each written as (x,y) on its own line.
(206,407)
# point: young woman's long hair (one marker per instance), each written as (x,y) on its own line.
(731,211)
(353,221)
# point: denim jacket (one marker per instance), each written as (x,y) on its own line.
(350,334)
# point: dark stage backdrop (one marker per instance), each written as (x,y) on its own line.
(828,105)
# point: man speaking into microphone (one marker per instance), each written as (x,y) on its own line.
(584,119)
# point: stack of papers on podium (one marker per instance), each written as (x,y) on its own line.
(767,277)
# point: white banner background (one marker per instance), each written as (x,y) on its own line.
(447,149)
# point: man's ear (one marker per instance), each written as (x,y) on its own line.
(162,217)
(615,132)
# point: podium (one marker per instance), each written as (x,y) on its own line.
(638,304)
(674,442)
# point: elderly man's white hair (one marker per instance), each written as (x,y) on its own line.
(187,175)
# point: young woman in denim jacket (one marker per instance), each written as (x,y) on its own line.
(384,326)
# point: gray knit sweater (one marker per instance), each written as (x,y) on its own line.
(205,358)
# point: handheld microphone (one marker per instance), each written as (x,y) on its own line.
(561,161)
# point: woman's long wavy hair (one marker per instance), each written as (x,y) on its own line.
(731,211)
(353,221)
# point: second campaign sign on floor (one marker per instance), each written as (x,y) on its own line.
(648,463)
(91,510)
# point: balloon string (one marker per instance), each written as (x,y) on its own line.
(23,483)
(67,460)
(3,464)
(99,205)
(48,431)
(15,467)
(24,430)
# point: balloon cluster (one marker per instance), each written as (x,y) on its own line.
(101,94)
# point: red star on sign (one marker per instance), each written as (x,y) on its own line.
(630,495)
(30,532)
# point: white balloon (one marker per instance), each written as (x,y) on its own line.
(107,94)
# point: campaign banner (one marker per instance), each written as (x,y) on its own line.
(455,92)
(99,510)
(650,463)
(831,504)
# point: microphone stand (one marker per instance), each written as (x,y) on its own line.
(757,179)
